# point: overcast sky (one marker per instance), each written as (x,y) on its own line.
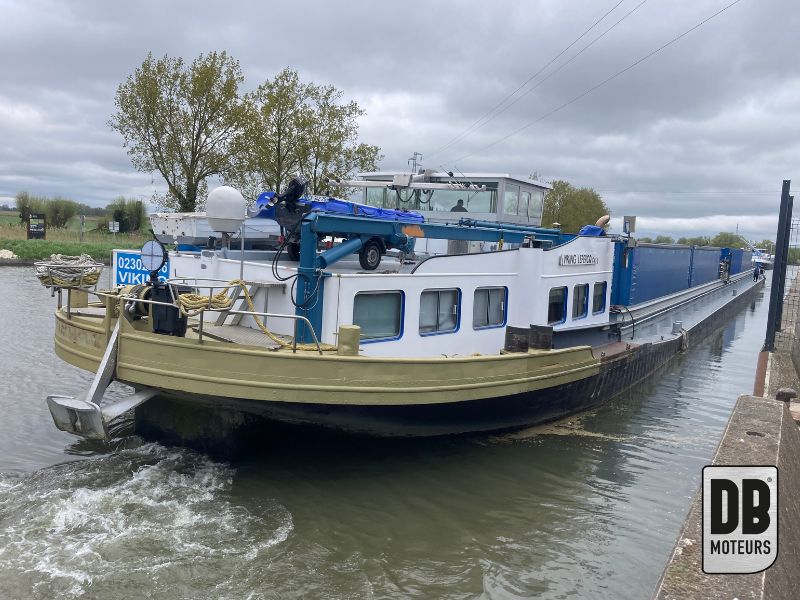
(694,140)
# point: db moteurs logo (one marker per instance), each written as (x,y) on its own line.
(740,519)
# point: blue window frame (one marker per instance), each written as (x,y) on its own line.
(439,311)
(489,307)
(580,301)
(557,306)
(599,297)
(379,314)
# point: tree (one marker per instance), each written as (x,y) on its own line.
(181,121)
(767,245)
(645,240)
(330,148)
(572,207)
(130,214)
(695,241)
(663,239)
(27,204)
(726,239)
(57,211)
(299,128)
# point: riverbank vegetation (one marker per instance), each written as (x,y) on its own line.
(66,236)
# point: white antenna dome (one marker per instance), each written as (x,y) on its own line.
(226,209)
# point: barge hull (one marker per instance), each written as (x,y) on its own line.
(616,374)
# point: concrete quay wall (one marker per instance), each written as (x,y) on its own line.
(761,431)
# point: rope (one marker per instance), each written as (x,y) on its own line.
(193,304)
(69,271)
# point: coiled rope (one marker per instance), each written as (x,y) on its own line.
(192,304)
(69,271)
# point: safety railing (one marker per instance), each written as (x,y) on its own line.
(296,318)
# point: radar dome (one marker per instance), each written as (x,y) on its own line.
(226,209)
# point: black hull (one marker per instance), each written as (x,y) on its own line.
(165,417)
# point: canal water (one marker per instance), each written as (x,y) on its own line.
(588,508)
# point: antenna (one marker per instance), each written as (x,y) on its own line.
(416,158)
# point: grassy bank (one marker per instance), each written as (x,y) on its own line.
(97,244)
(41,249)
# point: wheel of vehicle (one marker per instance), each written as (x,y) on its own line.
(293,251)
(370,255)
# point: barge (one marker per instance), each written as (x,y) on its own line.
(387,320)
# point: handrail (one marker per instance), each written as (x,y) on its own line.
(282,316)
(234,312)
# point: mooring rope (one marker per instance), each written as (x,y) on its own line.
(192,304)
(69,271)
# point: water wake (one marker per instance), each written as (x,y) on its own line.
(141,516)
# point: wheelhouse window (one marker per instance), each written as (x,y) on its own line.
(489,307)
(447,200)
(557,306)
(524,201)
(379,314)
(439,311)
(535,207)
(599,298)
(511,200)
(580,301)
(375,196)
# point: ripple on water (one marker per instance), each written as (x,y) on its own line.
(147,516)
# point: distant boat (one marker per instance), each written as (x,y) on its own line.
(763,259)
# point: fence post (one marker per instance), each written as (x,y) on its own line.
(781,249)
(784,267)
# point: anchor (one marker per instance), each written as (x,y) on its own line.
(88,418)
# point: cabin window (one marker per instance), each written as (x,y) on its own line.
(489,307)
(438,311)
(557,306)
(580,301)
(379,314)
(524,201)
(599,298)
(447,200)
(535,207)
(511,200)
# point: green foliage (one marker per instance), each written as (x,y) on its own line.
(330,144)
(572,207)
(701,240)
(767,245)
(299,128)
(57,211)
(90,211)
(182,121)
(645,240)
(663,239)
(129,213)
(726,239)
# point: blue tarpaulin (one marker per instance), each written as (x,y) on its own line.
(341,207)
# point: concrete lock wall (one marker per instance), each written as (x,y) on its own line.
(760,432)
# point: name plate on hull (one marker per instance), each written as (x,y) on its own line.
(577,260)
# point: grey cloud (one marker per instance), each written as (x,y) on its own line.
(716,111)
